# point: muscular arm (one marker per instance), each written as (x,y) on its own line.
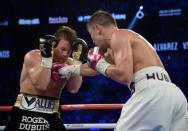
(75,81)
(39,76)
(85,70)
(122,69)
(74,84)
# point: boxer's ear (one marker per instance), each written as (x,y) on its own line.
(98,28)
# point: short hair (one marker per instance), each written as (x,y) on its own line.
(66,33)
(101,17)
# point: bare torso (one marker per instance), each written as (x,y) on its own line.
(54,87)
(143,54)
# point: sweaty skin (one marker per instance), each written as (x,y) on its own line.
(36,80)
(127,51)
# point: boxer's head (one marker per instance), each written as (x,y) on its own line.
(97,24)
(64,35)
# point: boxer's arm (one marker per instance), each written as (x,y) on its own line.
(75,80)
(82,69)
(122,69)
(39,76)
(74,83)
(85,70)
(40,64)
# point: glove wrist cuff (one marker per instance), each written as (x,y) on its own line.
(76,69)
(71,70)
(46,62)
(102,65)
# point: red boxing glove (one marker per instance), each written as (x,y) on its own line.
(54,73)
(94,55)
(96,60)
(55,76)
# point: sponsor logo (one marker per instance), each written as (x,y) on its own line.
(37,104)
(34,21)
(57,20)
(29,123)
(158,76)
(4,54)
(28,102)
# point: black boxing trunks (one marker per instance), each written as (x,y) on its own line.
(35,113)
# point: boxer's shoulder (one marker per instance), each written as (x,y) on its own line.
(35,52)
(120,35)
(124,31)
(32,55)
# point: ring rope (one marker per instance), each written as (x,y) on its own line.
(91,125)
(80,107)
(84,126)
(76,107)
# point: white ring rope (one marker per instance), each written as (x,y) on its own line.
(84,126)
(80,107)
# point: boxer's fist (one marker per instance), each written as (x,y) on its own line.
(96,60)
(54,71)
(94,55)
(47,43)
(79,49)
(70,70)
(57,66)
(55,76)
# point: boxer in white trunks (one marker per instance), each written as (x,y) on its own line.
(156,103)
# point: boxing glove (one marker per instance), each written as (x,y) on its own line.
(54,71)
(70,70)
(97,61)
(47,44)
(79,49)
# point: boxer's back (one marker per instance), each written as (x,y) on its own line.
(32,61)
(143,53)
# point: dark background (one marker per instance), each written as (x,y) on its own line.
(18,39)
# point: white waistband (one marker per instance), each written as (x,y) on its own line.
(147,76)
(151,73)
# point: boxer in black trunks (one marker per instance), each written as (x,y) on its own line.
(36,107)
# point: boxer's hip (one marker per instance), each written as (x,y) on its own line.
(154,95)
(37,103)
(149,76)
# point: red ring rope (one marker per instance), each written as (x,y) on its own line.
(76,107)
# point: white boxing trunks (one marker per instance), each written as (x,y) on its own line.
(155,105)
